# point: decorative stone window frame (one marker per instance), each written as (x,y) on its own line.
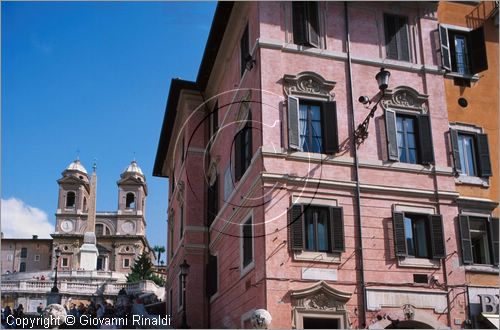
(319,301)
(405,99)
(411,261)
(308,85)
(327,257)
(462,178)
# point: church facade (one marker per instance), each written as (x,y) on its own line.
(121,234)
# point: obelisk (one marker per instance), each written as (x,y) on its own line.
(88,251)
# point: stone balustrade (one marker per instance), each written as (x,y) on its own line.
(80,288)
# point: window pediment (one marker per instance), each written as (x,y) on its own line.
(320,296)
(405,98)
(308,84)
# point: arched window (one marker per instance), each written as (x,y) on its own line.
(102,230)
(99,229)
(130,201)
(70,199)
(22,267)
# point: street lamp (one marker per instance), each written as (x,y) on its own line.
(184,272)
(54,288)
(361,132)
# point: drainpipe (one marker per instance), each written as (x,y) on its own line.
(356,171)
(206,256)
(434,174)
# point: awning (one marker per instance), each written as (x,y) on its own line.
(490,318)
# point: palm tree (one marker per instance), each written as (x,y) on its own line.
(159,249)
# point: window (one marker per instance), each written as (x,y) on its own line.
(181,291)
(172,181)
(130,201)
(409,138)
(213,201)
(396,37)
(243,149)
(24,252)
(171,241)
(316,228)
(479,237)
(305,19)
(212,270)
(9,257)
(407,141)
(84,204)
(247,243)
(64,262)
(312,126)
(99,229)
(70,199)
(181,223)
(37,257)
(22,267)
(471,155)
(463,51)
(244,50)
(418,235)
(214,122)
(126,263)
(100,263)
(182,151)
(228,183)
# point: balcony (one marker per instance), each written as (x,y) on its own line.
(81,288)
(482,12)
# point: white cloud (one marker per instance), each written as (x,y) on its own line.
(20,220)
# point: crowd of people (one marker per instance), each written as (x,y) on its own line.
(98,311)
(16,313)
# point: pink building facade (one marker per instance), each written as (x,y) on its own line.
(274,203)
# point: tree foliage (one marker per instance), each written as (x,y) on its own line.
(143,270)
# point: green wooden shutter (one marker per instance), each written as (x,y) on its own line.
(391,46)
(437,236)
(299,13)
(390,131)
(238,156)
(445,48)
(463,221)
(330,128)
(425,136)
(337,241)
(477,51)
(213,201)
(293,123)
(244,49)
(295,228)
(483,155)
(493,234)
(313,23)
(211,285)
(402,39)
(399,234)
(455,149)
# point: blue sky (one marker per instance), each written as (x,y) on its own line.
(92,77)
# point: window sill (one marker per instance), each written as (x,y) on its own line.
(472,180)
(482,269)
(245,270)
(316,256)
(470,77)
(418,262)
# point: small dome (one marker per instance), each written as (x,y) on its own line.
(133,168)
(76,166)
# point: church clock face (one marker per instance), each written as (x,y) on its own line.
(128,227)
(67,225)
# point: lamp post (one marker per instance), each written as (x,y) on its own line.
(54,288)
(361,132)
(184,272)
